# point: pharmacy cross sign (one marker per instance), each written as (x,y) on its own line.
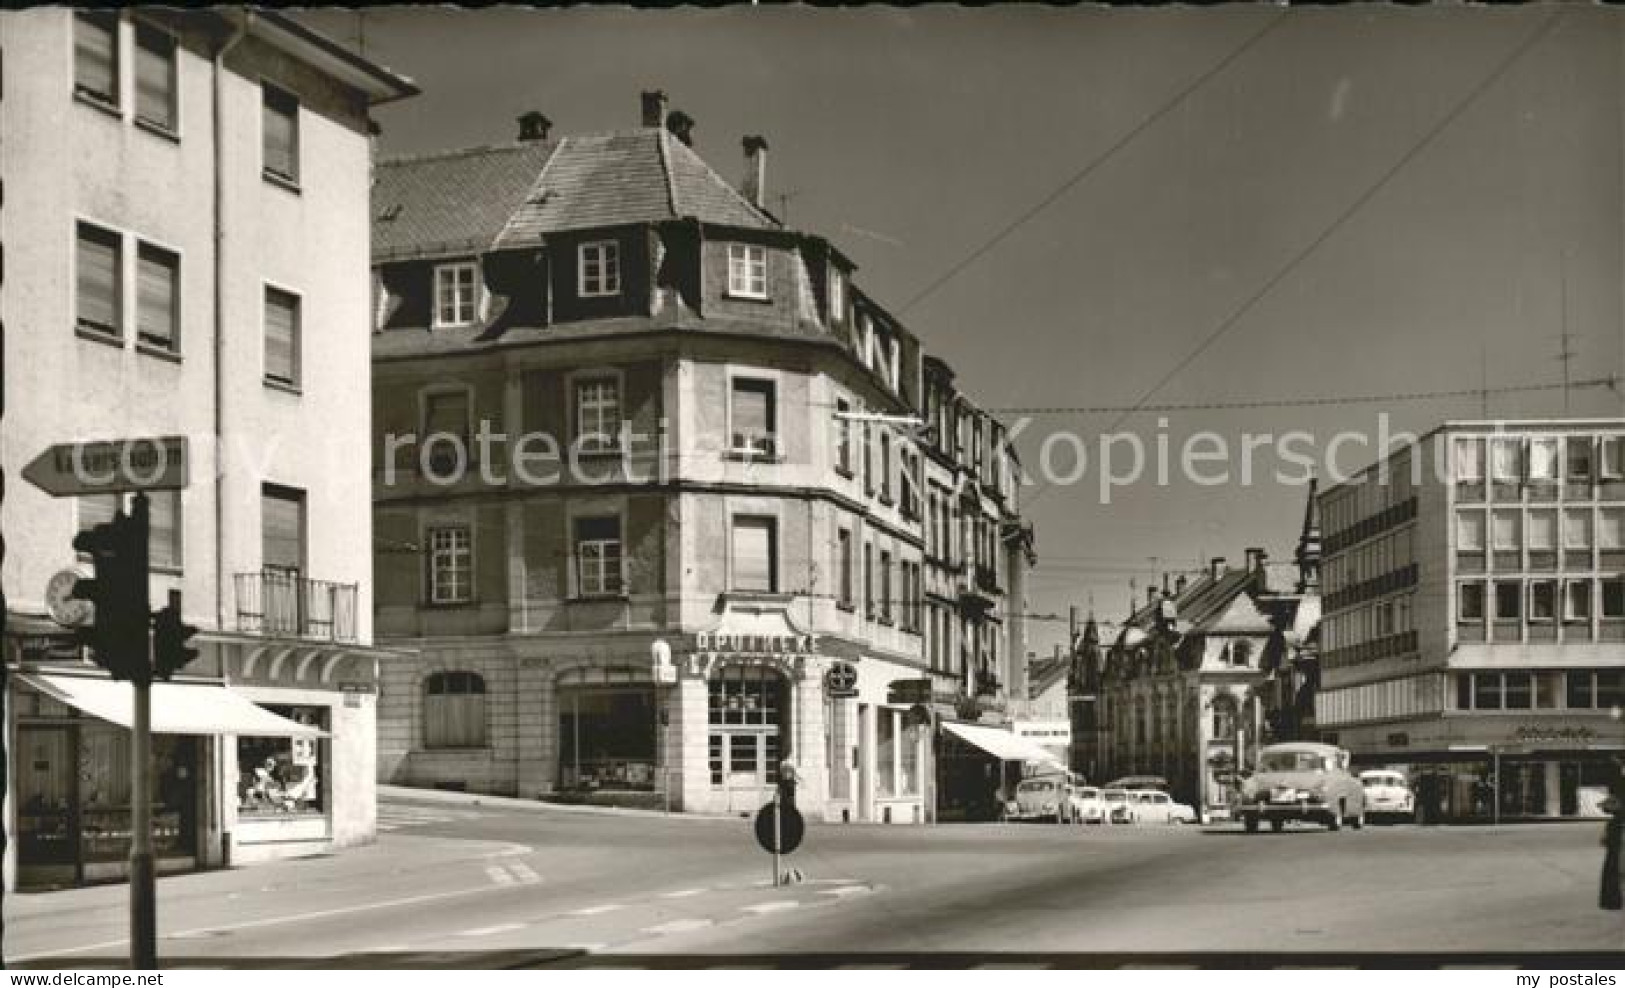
(111,467)
(841,680)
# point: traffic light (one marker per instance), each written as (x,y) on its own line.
(117,638)
(169,637)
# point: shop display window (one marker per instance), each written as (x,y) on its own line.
(281,777)
(607,739)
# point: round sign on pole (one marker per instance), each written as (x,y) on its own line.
(792,828)
(67,610)
(841,680)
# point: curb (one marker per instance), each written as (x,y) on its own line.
(408,793)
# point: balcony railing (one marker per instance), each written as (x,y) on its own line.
(285,605)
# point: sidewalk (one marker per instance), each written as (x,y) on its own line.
(406,794)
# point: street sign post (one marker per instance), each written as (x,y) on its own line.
(111,466)
(119,634)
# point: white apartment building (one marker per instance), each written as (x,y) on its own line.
(185,236)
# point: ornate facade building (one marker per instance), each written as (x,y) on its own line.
(624,413)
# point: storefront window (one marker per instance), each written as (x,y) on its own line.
(283,776)
(745,713)
(911,761)
(886,751)
(607,739)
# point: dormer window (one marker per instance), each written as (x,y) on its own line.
(747,271)
(456,294)
(837,296)
(599,269)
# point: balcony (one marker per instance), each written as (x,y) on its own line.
(284,605)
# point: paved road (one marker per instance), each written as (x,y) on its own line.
(456,884)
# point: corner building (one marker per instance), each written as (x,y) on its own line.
(713,422)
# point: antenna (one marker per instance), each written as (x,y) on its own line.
(1564,355)
(783,199)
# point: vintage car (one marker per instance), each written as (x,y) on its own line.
(1087,805)
(1118,806)
(1153,806)
(1044,798)
(1302,781)
(1156,782)
(1387,794)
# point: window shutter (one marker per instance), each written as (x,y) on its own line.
(95,54)
(156,294)
(155,77)
(281,327)
(97,279)
(281,133)
(96,509)
(282,522)
(753,554)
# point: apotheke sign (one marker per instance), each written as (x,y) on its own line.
(732,644)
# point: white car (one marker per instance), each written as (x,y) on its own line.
(1388,794)
(1151,806)
(1043,798)
(1088,805)
(1118,806)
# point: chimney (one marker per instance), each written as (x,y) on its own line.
(654,108)
(1179,584)
(1151,594)
(755,188)
(534,126)
(1165,584)
(1217,567)
(1255,559)
(682,127)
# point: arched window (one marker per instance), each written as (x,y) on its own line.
(454,710)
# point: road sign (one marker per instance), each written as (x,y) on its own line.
(792,828)
(111,467)
(841,680)
(64,608)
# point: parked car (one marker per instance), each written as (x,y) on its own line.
(1044,798)
(1088,806)
(1119,808)
(1302,781)
(1152,806)
(1388,794)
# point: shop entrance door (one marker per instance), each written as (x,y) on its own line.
(47,797)
(751,760)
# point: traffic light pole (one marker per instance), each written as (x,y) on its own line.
(143,895)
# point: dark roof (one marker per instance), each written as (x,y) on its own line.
(480,199)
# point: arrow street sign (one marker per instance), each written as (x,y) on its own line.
(111,467)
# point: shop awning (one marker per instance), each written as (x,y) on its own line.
(177,708)
(1002,744)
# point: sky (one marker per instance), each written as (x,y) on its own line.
(1253,204)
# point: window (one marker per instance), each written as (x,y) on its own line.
(1542,530)
(95,55)
(451,565)
(1611,528)
(1470,531)
(281,337)
(755,554)
(1580,689)
(868,581)
(1577,600)
(843,565)
(1578,455)
(1517,690)
(456,294)
(454,710)
(1613,598)
(747,271)
(753,416)
(282,527)
(1508,600)
(885,586)
(155,77)
(278,777)
(843,436)
(1543,459)
(446,413)
(163,522)
(598,270)
(97,266)
(1469,460)
(837,296)
(1612,457)
(1542,601)
(279,122)
(598,412)
(1506,461)
(598,557)
(1577,528)
(157,298)
(885,464)
(1506,530)
(607,739)
(1470,602)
